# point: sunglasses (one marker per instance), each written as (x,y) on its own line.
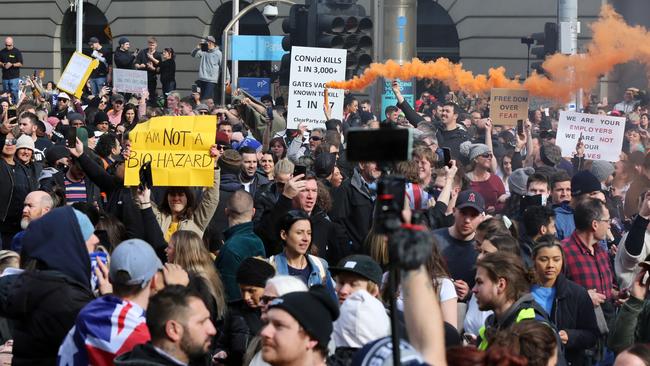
(486,155)
(10,142)
(315,138)
(221,147)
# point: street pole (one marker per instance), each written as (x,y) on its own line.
(234,63)
(569,28)
(399,41)
(80,24)
(225,42)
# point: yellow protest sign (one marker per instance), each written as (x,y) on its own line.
(508,105)
(76,74)
(178,148)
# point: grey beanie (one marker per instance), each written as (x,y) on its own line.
(518,180)
(471,151)
(602,169)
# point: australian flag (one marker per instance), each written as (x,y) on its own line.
(104,329)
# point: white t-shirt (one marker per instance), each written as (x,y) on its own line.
(474,318)
(446,291)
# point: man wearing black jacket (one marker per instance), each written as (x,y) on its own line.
(451,135)
(100,75)
(123,58)
(354,203)
(301,192)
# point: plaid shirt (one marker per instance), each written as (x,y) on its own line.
(586,269)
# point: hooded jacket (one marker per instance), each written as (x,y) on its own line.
(564,224)
(210,65)
(16,182)
(44,303)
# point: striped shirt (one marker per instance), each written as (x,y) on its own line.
(75,191)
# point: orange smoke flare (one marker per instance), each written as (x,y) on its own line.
(613,42)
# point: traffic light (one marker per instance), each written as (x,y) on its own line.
(342,25)
(295,28)
(547,44)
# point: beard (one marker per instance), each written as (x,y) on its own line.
(193,350)
(24,222)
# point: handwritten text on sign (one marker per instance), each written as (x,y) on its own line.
(76,74)
(602,135)
(311,68)
(178,148)
(508,105)
(129,81)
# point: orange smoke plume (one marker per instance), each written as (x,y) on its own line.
(614,42)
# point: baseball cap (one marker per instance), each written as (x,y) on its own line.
(63,95)
(210,39)
(137,258)
(117,97)
(361,265)
(471,199)
(202,107)
(93,40)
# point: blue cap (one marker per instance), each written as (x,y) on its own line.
(137,258)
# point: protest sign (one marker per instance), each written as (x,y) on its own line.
(76,74)
(178,148)
(602,135)
(129,81)
(311,68)
(388,97)
(508,105)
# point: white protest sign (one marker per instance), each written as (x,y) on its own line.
(129,81)
(76,74)
(311,68)
(602,135)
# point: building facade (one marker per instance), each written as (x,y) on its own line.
(479,33)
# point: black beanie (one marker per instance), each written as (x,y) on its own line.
(254,272)
(55,153)
(100,117)
(314,310)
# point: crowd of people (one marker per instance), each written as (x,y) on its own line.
(513,252)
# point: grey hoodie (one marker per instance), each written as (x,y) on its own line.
(210,65)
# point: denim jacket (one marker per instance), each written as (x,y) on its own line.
(316,277)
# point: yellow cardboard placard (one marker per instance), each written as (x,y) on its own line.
(178,148)
(76,74)
(508,105)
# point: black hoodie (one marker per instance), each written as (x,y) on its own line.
(44,303)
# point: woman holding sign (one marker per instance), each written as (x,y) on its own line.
(180,210)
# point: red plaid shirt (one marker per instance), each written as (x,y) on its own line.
(586,269)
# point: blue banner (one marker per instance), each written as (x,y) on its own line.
(257,48)
(256,87)
(388,97)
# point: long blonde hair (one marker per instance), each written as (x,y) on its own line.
(191,254)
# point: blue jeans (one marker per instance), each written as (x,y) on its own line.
(96,84)
(11,85)
(208,89)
